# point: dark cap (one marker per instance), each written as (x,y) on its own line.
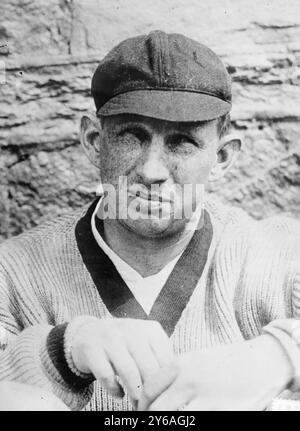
(165,76)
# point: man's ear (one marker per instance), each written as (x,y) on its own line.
(91,137)
(228,150)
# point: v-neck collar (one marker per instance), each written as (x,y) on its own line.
(116,295)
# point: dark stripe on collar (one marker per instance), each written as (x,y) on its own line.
(183,280)
(116,295)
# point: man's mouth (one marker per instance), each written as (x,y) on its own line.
(150,197)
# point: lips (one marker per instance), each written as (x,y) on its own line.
(150,197)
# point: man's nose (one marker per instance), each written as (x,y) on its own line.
(153,165)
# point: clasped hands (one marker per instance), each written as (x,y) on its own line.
(241,376)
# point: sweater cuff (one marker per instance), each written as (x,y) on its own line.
(56,347)
(287,333)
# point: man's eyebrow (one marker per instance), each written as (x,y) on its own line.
(132,125)
(187,131)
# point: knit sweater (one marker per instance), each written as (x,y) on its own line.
(237,277)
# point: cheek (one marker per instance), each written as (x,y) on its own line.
(116,161)
(194,171)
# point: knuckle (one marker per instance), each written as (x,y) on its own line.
(110,332)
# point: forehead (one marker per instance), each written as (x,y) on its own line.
(121,120)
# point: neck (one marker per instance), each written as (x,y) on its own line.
(146,255)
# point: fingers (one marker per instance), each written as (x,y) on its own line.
(145,359)
(103,371)
(148,345)
(126,349)
(150,348)
(157,385)
(104,352)
(125,367)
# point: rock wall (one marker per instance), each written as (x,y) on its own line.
(49,50)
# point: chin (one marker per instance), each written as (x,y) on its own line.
(154,228)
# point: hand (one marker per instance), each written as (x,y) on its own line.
(128,349)
(15,396)
(243,376)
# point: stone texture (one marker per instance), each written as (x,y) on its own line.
(49,51)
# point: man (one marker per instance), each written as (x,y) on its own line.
(156,297)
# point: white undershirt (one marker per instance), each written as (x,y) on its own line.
(144,289)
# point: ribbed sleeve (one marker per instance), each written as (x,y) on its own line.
(31,336)
(27,360)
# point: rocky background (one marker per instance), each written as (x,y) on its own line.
(49,50)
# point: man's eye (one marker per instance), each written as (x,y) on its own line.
(182,140)
(134,132)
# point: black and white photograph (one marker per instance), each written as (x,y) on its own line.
(149,207)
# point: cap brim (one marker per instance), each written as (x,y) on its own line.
(167,105)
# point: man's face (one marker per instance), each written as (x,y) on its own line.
(161,162)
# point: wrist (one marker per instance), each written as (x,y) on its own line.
(74,342)
(60,369)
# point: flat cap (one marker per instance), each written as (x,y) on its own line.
(165,76)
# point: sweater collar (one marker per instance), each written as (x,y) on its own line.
(116,295)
